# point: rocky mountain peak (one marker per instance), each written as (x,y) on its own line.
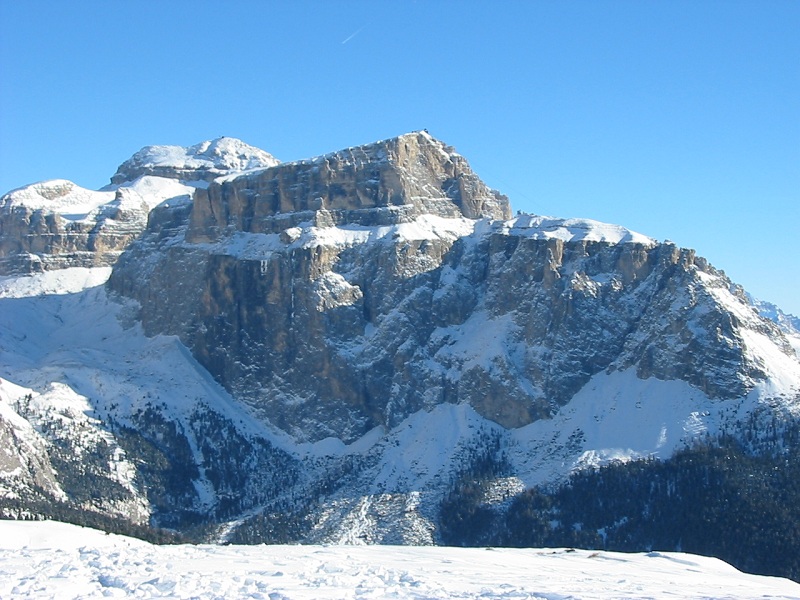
(383,183)
(201,162)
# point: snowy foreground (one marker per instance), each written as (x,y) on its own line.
(55,560)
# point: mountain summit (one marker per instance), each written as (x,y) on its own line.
(201,162)
(363,347)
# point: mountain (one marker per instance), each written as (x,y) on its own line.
(366,347)
(196,165)
(789,324)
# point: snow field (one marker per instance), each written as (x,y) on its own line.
(55,560)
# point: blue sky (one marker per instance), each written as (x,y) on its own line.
(680,120)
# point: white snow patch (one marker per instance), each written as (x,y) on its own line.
(783,370)
(332,446)
(152,191)
(58,196)
(424,227)
(222,154)
(475,343)
(64,281)
(573,230)
(427,447)
(615,416)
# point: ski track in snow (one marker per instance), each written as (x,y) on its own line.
(56,560)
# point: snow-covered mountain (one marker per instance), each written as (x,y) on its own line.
(57,224)
(789,324)
(364,347)
(196,165)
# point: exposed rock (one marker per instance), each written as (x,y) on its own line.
(57,224)
(384,183)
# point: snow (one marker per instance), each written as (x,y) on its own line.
(789,324)
(60,196)
(63,342)
(477,342)
(782,369)
(152,191)
(332,446)
(573,230)
(222,154)
(594,428)
(60,406)
(260,246)
(74,203)
(426,227)
(425,446)
(64,281)
(55,560)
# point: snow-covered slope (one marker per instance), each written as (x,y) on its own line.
(80,383)
(52,560)
(789,324)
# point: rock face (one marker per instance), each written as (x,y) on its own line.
(386,183)
(350,291)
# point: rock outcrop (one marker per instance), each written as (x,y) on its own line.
(385,183)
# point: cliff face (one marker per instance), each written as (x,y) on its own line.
(56,224)
(385,183)
(350,291)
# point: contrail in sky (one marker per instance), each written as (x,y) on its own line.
(352,35)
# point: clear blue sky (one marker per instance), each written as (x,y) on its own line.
(680,120)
